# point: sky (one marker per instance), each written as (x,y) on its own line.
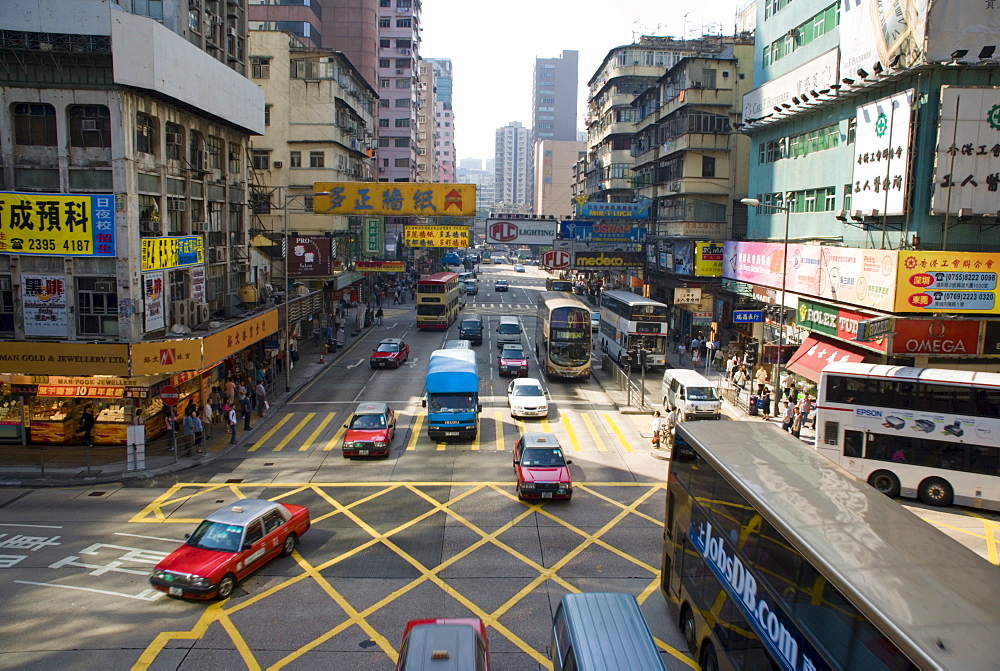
(493,46)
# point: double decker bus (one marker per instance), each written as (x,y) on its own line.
(629,321)
(776,558)
(563,335)
(439,298)
(926,433)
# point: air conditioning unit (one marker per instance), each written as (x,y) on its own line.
(399,72)
(203,312)
(176,204)
(231,32)
(278,164)
(88,125)
(217,255)
(674,186)
(218,20)
(174,138)
(180,312)
(199,227)
(104,287)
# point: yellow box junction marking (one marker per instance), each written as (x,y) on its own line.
(298,427)
(274,429)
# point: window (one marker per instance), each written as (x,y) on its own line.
(194,20)
(383,123)
(261,159)
(402,142)
(384,44)
(235,158)
(260,67)
(852,130)
(34,125)
(151,8)
(403,23)
(385,23)
(145,133)
(403,83)
(403,63)
(385,83)
(267,115)
(175,141)
(214,147)
(89,126)
(295,159)
(6,307)
(383,102)
(403,44)
(385,3)
(385,62)
(707,166)
(402,163)
(316,159)
(97,305)
(402,123)
(383,142)
(402,102)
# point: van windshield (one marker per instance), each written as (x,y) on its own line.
(451,403)
(510,329)
(472,324)
(702,394)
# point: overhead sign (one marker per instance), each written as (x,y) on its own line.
(967,174)
(556,259)
(436,236)
(838,322)
(43,299)
(380,266)
(871,329)
(596,231)
(395,199)
(877,30)
(947,281)
(52,224)
(882,155)
(239,336)
(748,316)
(818,73)
(616,210)
(521,231)
(165,356)
(153,299)
(936,337)
(172,252)
(608,260)
(310,256)
(708,259)
(64,358)
(374,237)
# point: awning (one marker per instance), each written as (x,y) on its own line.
(816,352)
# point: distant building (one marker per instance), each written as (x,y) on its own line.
(513,156)
(444,120)
(554,96)
(399,56)
(554,161)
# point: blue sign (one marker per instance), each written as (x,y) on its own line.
(601,231)
(747,316)
(616,210)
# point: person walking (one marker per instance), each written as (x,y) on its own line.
(657,423)
(797,423)
(199,433)
(695,357)
(231,418)
(207,418)
(395,297)
(215,405)
(231,390)
(730,365)
(761,378)
(378,316)
(765,401)
(171,426)
(788,386)
(806,408)
(740,380)
(261,393)
(680,353)
(788,416)
(246,408)
(87,422)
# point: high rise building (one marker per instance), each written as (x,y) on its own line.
(444,120)
(513,157)
(398,61)
(554,95)
(554,161)
(427,158)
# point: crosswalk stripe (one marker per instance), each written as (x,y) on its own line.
(415,434)
(572,434)
(498,419)
(298,427)
(621,438)
(593,432)
(475,441)
(263,439)
(312,436)
(441,446)
(545,426)
(335,441)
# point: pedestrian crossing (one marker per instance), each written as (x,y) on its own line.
(315,431)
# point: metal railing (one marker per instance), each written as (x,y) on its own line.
(628,381)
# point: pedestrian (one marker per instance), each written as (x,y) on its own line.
(261,393)
(208,417)
(231,390)
(761,378)
(395,297)
(188,429)
(695,357)
(764,404)
(657,423)
(246,406)
(673,417)
(788,416)
(215,405)
(805,408)
(87,422)
(293,351)
(695,344)
(260,374)
(170,422)
(730,364)
(680,353)
(740,380)
(231,418)
(788,386)
(378,316)
(199,433)
(797,423)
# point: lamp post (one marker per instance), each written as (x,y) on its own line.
(753,202)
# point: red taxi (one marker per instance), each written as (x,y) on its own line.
(229,545)
(390,353)
(370,431)
(512,361)
(453,644)
(542,469)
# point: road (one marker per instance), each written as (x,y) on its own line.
(435,530)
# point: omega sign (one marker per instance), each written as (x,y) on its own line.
(932,337)
(609,260)
(521,231)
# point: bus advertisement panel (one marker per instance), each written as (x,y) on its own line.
(630,322)
(563,336)
(439,298)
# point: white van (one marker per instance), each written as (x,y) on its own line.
(692,395)
(509,331)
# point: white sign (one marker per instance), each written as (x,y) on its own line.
(521,231)
(968,153)
(880,30)
(152,293)
(881,155)
(44,301)
(955,24)
(685,295)
(819,73)
(198,284)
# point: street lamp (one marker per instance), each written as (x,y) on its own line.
(753,202)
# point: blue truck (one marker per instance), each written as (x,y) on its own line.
(452,399)
(452,259)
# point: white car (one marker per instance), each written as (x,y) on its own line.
(526,398)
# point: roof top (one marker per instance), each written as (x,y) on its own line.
(538,439)
(241,511)
(372,409)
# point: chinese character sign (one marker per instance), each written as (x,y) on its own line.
(947,282)
(436,236)
(172,252)
(968,153)
(395,199)
(374,241)
(708,259)
(57,225)
(310,256)
(44,301)
(152,291)
(881,155)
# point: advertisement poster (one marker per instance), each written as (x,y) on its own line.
(947,281)
(598,231)
(172,252)
(152,293)
(616,210)
(608,260)
(882,154)
(521,231)
(198,284)
(684,258)
(837,322)
(436,236)
(968,154)
(881,30)
(374,237)
(44,301)
(818,73)
(936,337)
(395,199)
(52,224)
(708,259)
(310,256)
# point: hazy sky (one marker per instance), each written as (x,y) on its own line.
(493,46)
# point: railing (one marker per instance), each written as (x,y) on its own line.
(636,395)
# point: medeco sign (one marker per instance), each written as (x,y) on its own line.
(609,260)
(521,231)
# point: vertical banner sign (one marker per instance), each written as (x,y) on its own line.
(152,292)
(44,301)
(968,153)
(52,224)
(198,284)
(374,237)
(881,155)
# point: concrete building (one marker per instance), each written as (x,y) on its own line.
(444,120)
(427,157)
(554,96)
(398,62)
(554,161)
(513,156)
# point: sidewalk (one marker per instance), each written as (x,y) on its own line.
(61,465)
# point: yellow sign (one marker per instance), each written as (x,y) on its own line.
(166,356)
(395,199)
(436,236)
(947,282)
(172,252)
(64,358)
(53,224)
(708,259)
(217,347)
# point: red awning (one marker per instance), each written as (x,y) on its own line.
(816,352)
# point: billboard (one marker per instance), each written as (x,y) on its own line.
(818,73)
(52,224)
(881,30)
(615,210)
(374,243)
(968,155)
(395,199)
(172,252)
(43,298)
(833,321)
(683,257)
(310,256)
(935,337)
(608,260)
(597,231)
(953,24)
(882,154)
(436,236)
(521,231)
(153,298)
(380,266)
(708,259)
(947,282)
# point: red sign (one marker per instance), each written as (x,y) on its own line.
(847,329)
(79,391)
(932,337)
(556,258)
(169,395)
(309,256)
(380,266)
(503,231)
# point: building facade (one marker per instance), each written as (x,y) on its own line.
(398,74)
(427,157)
(554,161)
(554,96)
(512,168)
(444,120)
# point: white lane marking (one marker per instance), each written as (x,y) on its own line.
(412,362)
(144,595)
(152,538)
(355,365)
(33,526)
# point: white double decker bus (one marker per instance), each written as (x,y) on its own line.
(629,321)
(926,433)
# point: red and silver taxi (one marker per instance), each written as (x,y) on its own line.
(453,644)
(512,361)
(229,545)
(542,468)
(390,353)
(370,431)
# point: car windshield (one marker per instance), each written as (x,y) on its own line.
(546,457)
(472,325)
(510,329)
(451,403)
(512,353)
(368,422)
(501,283)
(217,536)
(388,347)
(702,394)
(528,390)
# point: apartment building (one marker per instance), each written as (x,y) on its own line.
(554,97)
(444,120)
(398,62)
(513,168)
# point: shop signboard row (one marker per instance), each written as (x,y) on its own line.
(436,236)
(602,231)
(380,266)
(616,210)
(686,257)
(52,224)
(396,199)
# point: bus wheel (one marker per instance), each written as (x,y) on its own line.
(689,628)
(709,662)
(936,492)
(885,482)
